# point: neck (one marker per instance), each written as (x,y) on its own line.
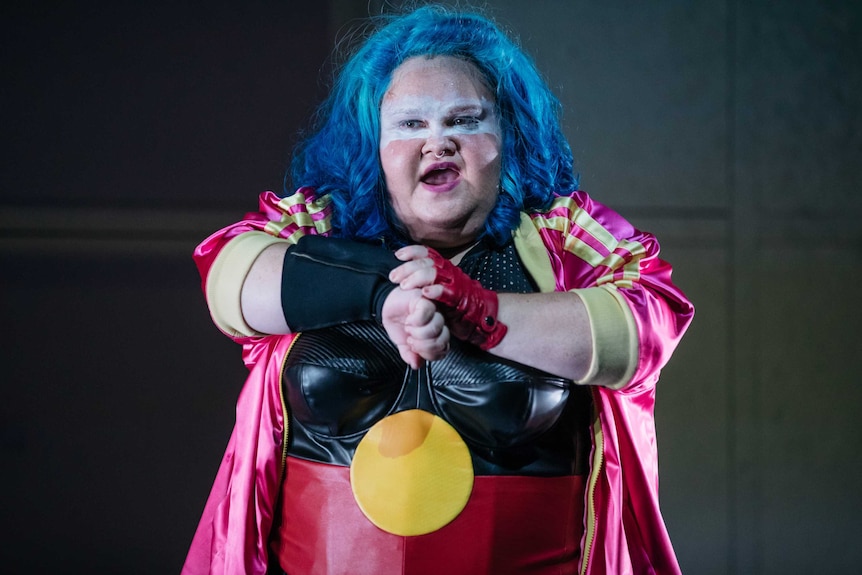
(457,252)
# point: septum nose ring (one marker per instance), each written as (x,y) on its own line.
(440,154)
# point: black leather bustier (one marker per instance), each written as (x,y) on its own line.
(516,420)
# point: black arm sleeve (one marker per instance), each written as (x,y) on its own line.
(328,281)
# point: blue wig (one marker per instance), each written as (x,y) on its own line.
(341,155)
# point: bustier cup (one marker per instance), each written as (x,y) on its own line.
(342,380)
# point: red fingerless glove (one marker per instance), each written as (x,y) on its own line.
(469,309)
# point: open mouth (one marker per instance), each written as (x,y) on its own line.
(441,175)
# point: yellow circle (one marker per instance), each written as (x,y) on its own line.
(411,473)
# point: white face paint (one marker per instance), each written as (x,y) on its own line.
(423,117)
(440,146)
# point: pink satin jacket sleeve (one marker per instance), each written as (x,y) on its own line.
(288,218)
(590,245)
(232,535)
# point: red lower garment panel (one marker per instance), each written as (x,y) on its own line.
(511,524)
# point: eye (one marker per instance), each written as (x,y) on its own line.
(469,122)
(410,124)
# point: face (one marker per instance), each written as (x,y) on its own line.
(440,148)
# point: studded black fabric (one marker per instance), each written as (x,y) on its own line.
(497,268)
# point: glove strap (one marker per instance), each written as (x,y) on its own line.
(469,309)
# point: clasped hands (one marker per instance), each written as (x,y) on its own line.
(435,301)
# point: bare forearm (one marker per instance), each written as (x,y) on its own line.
(548,331)
(316,283)
(261,292)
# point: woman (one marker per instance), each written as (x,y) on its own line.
(453,352)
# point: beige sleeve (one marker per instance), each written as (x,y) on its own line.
(226,277)
(615,340)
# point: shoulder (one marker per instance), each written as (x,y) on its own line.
(578,213)
(564,212)
(301,213)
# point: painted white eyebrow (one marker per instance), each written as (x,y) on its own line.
(469,109)
(433,111)
(476,107)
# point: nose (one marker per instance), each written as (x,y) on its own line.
(439,145)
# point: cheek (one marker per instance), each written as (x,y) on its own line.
(398,159)
(485,149)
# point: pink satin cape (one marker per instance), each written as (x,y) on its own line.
(625,533)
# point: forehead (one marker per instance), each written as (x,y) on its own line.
(438,78)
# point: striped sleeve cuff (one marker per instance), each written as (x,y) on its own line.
(226,277)
(615,340)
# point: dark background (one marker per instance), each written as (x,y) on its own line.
(132,130)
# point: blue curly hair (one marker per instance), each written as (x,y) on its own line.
(340,157)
